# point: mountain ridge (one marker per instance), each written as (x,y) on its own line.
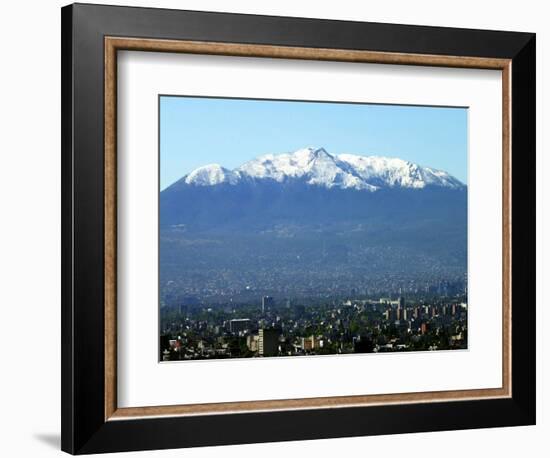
(317,167)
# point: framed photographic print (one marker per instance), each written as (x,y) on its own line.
(284,228)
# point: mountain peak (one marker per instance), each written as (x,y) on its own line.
(316,166)
(317,153)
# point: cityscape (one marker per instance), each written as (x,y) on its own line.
(281,328)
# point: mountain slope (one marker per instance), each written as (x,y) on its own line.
(290,224)
(312,186)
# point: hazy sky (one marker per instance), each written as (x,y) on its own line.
(197,131)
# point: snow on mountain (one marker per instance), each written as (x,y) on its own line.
(394,172)
(315,166)
(212,174)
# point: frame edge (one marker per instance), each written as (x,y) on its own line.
(67,382)
(119,436)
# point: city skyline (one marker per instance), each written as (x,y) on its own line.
(279,329)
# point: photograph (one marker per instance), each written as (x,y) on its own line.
(275,229)
(306,228)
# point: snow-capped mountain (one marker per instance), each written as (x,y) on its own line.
(312,186)
(315,166)
(314,212)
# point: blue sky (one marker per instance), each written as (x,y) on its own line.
(196,131)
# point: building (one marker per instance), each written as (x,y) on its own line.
(252,342)
(399,313)
(311,343)
(239,325)
(424,328)
(307,343)
(267,301)
(268,342)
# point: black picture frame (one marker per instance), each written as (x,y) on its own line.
(84,428)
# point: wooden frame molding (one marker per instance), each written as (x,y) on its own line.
(112,45)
